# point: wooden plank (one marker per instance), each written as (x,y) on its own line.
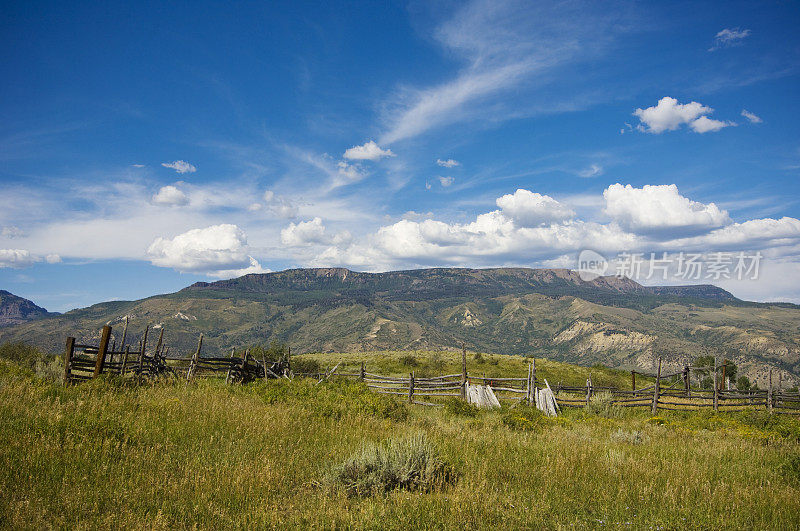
(105,335)
(68,351)
(654,409)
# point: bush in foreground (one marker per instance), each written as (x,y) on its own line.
(411,464)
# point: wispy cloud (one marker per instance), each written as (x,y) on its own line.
(752,117)
(502,44)
(729,37)
(449,163)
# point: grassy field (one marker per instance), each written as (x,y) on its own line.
(104,454)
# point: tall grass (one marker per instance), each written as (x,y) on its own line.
(212,456)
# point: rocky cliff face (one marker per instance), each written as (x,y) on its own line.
(16,310)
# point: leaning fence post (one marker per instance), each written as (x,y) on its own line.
(657,388)
(68,359)
(463,371)
(141,354)
(124,334)
(101,351)
(125,360)
(363,373)
(193,363)
(769,392)
(411,387)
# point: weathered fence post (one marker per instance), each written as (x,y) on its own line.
(230,366)
(657,388)
(769,392)
(716,386)
(363,373)
(686,381)
(588,390)
(160,342)
(141,355)
(411,387)
(528,387)
(533,371)
(124,334)
(288,358)
(463,371)
(633,381)
(68,351)
(124,360)
(101,351)
(193,363)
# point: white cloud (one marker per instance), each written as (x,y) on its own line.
(449,163)
(660,208)
(368,151)
(446,181)
(52,259)
(279,206)
(12,232)
(253,268)
(704,124)
(592,171)
(502,45)
(209,250)
(349,173)
(138,165)
(170,196)
(729,37)
(180,166)
(16,258)
(304,233)
(752,117)
(752,234)
(669,115)
(416,216)
(529,209)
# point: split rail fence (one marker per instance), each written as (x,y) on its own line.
(669,391)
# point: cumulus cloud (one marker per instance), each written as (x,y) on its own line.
(592,171)
(529,209)
(660,208)
(210,250)
(180,166)
(751,117)
(669,115)
(729,37)
(704,124)
(449,163)
(16,258)
(311,232)
(368,151)
(22,258)
(446,181)
(170,196)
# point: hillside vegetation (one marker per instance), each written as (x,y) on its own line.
(297,454)
(545,313)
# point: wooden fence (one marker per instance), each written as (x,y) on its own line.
(669,391)
(84,362)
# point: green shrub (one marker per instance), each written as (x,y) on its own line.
(410,464)
(460,408)
(602,404)
(526,418)
(478,358)
(305,365)
(408,361)
(22,354)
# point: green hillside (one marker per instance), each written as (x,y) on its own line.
(547,313)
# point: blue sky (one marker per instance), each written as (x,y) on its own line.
(145,147)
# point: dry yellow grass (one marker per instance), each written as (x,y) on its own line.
(210,456)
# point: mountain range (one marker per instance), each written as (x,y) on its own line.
(550,313)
